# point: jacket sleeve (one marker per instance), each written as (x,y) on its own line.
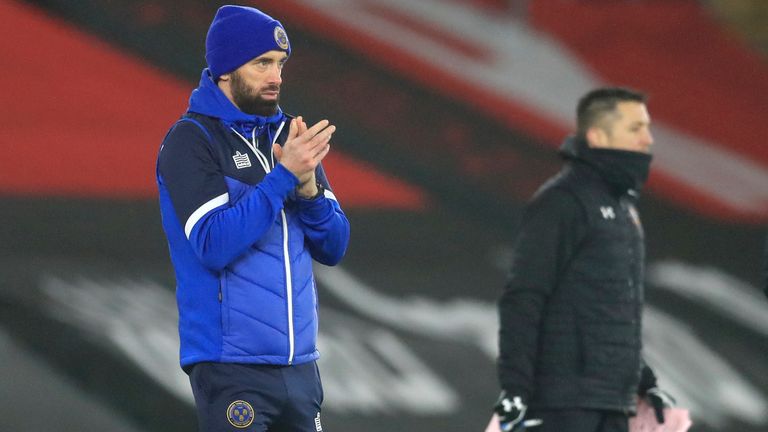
(326,228)
(217,231)
(552,226)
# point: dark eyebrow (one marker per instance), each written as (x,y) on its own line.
(639,124)
(269,59)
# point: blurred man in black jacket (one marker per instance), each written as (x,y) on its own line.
(570,336)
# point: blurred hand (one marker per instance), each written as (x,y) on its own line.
(304,149)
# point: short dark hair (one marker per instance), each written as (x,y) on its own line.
(594,105)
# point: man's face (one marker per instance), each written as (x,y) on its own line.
(255,86)
(629,128)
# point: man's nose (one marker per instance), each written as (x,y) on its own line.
(275,74)
(648,139)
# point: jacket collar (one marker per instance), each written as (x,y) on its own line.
(624,171)
(208,99)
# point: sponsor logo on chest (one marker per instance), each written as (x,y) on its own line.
(241,160)
(607,212)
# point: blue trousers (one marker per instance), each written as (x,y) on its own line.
(257,398)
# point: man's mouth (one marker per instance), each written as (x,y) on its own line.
(270,92)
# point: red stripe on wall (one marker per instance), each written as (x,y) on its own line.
(80,119)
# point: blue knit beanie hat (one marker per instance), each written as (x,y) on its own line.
(239,34)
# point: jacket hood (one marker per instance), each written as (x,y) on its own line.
(208,99)
(573,148)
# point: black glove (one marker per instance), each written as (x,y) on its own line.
(511,411)
(659,399)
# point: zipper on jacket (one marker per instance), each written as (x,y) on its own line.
(288,287)
(254,145)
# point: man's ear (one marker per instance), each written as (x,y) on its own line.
(597,137)
(224,83)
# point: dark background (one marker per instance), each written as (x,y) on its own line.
(432,186)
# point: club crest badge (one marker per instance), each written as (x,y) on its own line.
(240,414)
(281,38)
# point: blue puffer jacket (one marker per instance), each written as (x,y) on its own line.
(240,241)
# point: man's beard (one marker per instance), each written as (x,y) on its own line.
(251,103)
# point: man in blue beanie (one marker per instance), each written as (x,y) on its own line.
(246,208)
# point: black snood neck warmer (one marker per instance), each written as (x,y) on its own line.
(624,170)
